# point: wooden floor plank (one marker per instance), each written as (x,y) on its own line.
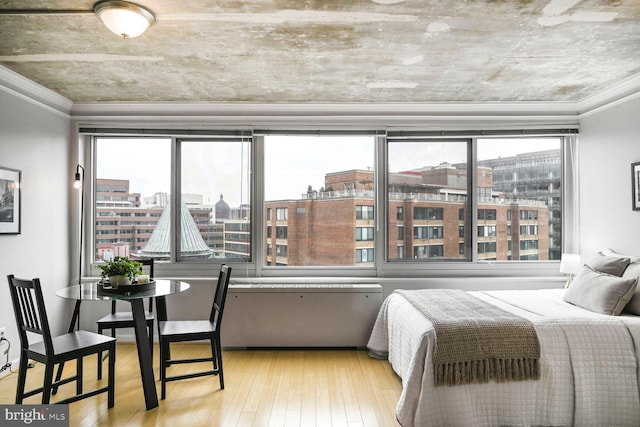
(272,387)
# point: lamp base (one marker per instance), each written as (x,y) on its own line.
(569,280)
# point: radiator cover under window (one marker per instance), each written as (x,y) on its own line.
(300,315)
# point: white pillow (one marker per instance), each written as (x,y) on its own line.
(614,265)
(600,292)
(633,271)
(611,252)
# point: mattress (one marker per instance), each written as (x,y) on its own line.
(590,373)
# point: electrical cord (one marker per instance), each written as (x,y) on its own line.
(7,364)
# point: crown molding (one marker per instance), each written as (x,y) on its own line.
(620,92)
(30,91)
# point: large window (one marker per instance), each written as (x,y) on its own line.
(517,209)
(215,189)
(449,202)
(134,199)
(523,181)
(322,190)
(427,180)
(132,187)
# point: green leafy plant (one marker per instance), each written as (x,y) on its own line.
(121,266)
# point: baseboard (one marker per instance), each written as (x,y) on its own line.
(14,368)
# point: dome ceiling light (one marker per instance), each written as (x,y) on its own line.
(123,18)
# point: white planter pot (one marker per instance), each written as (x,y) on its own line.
(116,281)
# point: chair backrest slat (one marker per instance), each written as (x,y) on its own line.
(31,319)
(23,294)
(149,263)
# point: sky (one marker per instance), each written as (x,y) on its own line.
(292,162)
(208,169)
(146,163)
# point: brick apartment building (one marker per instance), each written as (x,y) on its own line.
(427,219)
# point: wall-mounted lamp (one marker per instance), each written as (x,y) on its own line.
(123,18)
(78,183)
(570,264)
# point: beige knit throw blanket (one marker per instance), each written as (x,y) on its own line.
(476,341)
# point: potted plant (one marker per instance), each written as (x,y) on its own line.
(121,271)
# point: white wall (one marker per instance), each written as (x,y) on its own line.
(35,140)
(609,142)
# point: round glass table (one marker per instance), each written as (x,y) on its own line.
(94,291)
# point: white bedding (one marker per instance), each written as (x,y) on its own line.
(590,373)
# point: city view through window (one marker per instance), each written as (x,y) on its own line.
(319,194)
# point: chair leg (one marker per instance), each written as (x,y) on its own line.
(48,380)
(164,350)
(218,356)
(22,378)
(54,390)
(214,355)
(79,375)
(75,320)
(99,358)
(151,338)
(111,393)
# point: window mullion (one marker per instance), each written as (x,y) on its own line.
(472,202)
(176,185)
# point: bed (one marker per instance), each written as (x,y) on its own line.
(589,365)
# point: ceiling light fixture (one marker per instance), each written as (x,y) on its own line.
(123,18)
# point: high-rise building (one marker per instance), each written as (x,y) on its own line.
(538,176)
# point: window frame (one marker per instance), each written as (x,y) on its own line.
(477,267)
(382,267)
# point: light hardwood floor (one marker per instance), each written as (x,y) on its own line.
(320,388)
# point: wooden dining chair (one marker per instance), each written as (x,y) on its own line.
(171,331)
(124,319)
(31,318)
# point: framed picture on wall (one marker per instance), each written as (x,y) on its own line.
(635,185)
(9,201)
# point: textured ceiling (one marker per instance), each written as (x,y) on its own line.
(330,51)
